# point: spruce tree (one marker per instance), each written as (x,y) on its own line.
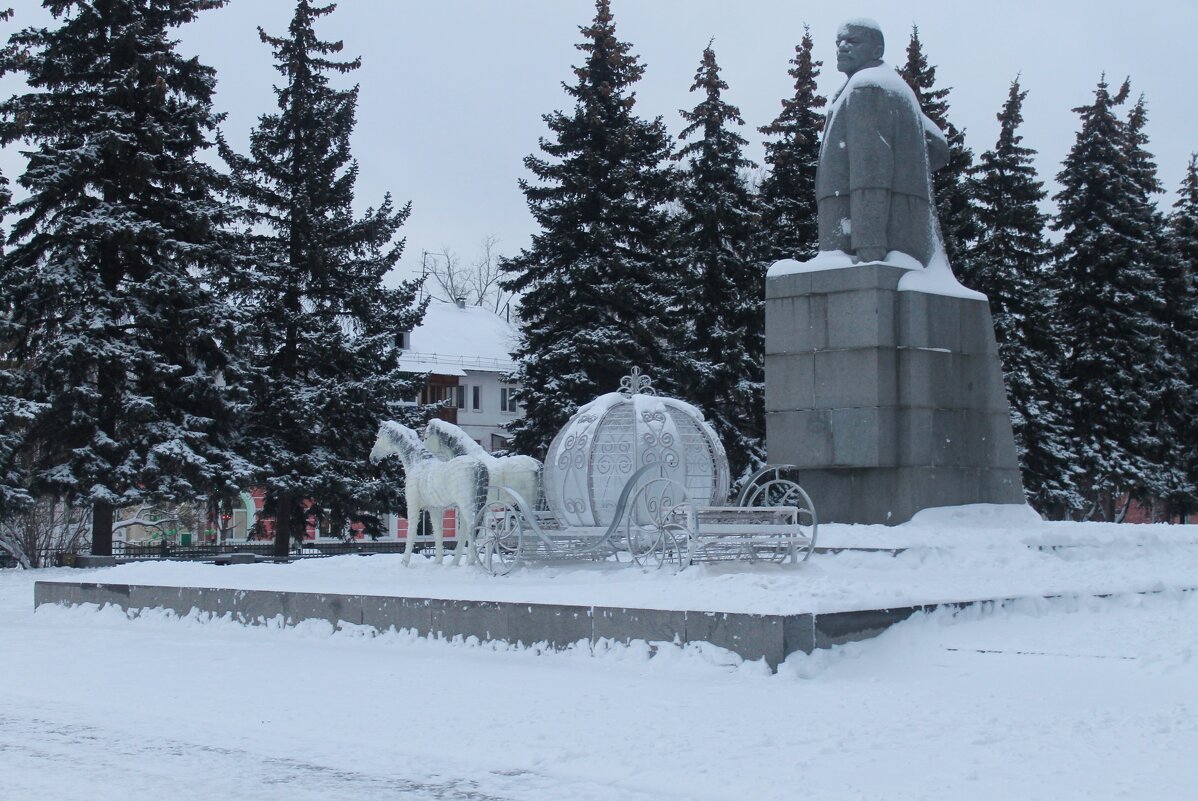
(1011,265)
(789,228)
(1181,309)
(724,344)
(950,184)
(327,333)
(121,360)
(597,281)
(1171,393)
(15,411)
(1106,297)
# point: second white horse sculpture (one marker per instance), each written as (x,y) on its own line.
(519,473)
(434,485)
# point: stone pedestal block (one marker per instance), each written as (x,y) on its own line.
(889,402)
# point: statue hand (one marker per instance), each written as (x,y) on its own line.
(870,254)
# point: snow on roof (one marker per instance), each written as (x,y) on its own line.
(451,340)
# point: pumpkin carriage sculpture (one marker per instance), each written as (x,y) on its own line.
(638,474)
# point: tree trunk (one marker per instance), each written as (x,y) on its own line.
(108,378)
(283,525)
(1121,511)
(102,515)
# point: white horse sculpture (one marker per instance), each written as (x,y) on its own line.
(434,485)
(520,473)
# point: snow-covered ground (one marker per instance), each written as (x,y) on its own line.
(958,554)
(1070,698)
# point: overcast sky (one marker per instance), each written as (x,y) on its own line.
(452,91)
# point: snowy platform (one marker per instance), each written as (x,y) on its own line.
(943,558)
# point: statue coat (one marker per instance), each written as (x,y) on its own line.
(873,183)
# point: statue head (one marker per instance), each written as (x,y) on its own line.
(859,44)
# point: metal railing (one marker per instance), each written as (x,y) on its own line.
(166,550)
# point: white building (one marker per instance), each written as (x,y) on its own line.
(466,350)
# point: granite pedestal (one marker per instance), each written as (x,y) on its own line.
(887,401)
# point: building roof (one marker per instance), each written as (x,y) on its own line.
(452,339)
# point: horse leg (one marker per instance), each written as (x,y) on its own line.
(472,554)
(414,510)
(437,518)
(474,520)
(464,539)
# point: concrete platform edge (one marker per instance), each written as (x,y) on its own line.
(754,637)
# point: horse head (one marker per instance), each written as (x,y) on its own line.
(396,438)
(447,440)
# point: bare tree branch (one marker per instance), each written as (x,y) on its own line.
(450,278)
(474,285)
(49,527)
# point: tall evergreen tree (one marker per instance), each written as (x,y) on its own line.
(1172,394)
(1106,297)
(789,228)
(1181,309)
(724,345)
(951,184)
(597,280)
(327,332)
(120,356)
(15,412)
(13,494)
(1011,260)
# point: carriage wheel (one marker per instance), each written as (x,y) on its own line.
(776,491)
(659,520)
(655,547)
(779,491)
(498,538)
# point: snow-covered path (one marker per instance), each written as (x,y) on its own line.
(1060,699)
(119,769)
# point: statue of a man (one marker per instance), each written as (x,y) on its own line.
(873,185)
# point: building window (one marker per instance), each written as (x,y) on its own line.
(476,398)
(460,395)
(442,394)
(507,400)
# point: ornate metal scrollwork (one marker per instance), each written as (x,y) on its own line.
(636,384)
